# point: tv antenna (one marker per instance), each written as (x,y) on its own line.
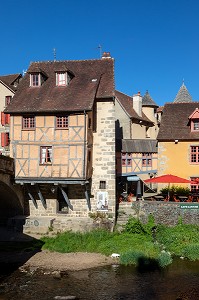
(100,50)
(54,54)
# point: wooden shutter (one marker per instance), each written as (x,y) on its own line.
(5,119)
(4,139)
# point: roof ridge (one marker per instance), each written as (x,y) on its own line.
(124,94)
(75,60)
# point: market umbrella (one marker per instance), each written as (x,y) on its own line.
(168,178)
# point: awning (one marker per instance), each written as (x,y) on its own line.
(133,178)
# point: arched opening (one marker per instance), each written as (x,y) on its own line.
(10,205)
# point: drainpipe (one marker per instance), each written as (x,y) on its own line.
(84,158)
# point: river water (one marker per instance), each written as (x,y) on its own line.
(178,281)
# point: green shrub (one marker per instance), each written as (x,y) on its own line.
(191,251)
(134,226)
(164,259)
(131,257)
(175,189)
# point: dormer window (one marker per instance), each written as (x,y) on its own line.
(195,125)
(194,120)
(35,79)
(61,78)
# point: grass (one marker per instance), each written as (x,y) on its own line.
(137,244)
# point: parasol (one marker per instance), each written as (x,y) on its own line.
(168,178)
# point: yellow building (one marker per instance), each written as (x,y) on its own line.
(178,139)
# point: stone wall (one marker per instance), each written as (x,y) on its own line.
(167,213)
(104,154)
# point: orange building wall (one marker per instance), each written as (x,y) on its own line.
(67,147)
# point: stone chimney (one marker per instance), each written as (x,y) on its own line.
(106,55)
(137,104)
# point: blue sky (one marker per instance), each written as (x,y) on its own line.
(155,43)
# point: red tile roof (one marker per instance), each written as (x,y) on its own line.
(175,123)
(93,79)
(9,80)
(127,103)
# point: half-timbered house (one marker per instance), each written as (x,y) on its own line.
(136,132)
(63,142)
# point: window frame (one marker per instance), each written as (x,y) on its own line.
(146,159)
(8,99)
(194,154)
(195,125)
(194,186)
(102,185)
(61,81)
(28,122)
(62,122)
(46,156)
(35,79)
(126,159)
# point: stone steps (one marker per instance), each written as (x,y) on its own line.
(124,213)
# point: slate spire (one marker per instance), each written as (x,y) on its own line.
(148,101)
(183,95)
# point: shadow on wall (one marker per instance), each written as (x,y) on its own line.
(10,204)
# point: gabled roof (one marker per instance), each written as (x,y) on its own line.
(175,122)
(139,146)
(183,95)
(9,80)
(127,104)
(195,114)
(148,101)
(93,79)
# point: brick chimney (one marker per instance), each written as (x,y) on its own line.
(137,103)
(106,55)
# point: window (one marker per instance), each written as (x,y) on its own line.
(28,122)
(102,185)
(7,100)
(89,123)
(46,155)
(35,79)
(195,185)
(126,159)
(61,79)
(194,154)
(195,124)
(62,122)
(146,159)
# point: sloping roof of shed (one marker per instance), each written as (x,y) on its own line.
(139,146)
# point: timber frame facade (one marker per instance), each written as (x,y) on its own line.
(63,142)
(137,126)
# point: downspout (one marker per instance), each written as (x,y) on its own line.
(84,157)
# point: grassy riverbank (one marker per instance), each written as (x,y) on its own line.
(148,243)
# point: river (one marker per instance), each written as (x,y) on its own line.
(178,281)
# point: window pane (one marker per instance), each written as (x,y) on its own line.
(46,155)
(62,122)
(29,122)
